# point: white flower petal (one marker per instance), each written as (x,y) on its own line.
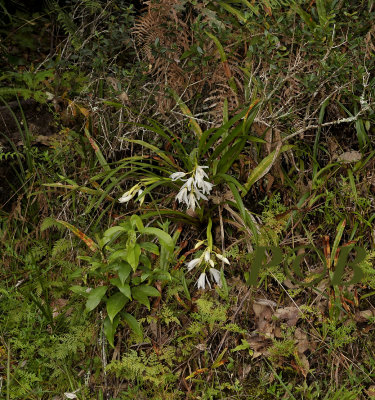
(70,395)
(216,276)
(177,175)
(140,191)
(202,281)
(182,195)
(189,183)
(126,197)
(200,195)
(222,258)
(198,181)
(206,187)
(193,263)
(192,201)
(207,255)
(200,172)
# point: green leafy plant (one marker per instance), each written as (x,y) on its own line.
(123,262)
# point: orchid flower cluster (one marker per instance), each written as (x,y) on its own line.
(194,188)
(206,258)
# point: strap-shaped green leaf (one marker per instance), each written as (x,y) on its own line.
(263,167)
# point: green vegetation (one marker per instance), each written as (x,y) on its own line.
(146,152)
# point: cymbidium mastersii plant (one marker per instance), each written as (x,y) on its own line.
(195,174)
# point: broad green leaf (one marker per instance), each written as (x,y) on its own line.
(133,324)
(149,290)
(111,232)
(228,178)
(151,247)
(118,254)
(98,152)
(123,269)
(95,296)
(123,288)
(132,256)
(164,238)
(304,15)
(219,46)
(109,329)
(244,346)
(237,131)
(322,12)
(184,285)
(140,296)
(137,222)
(241,16)
(115,304)
(159,275)
(144,276)
(217,363)
(145,261)
(81,290)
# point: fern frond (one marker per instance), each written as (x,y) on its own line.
(49,222)
(60,246)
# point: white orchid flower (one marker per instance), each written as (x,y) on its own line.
(177,175)
(202,281)
(200,195)
(182,196)
(205,186)
(140,191)
(126,196)
(216,276)
(189,183)
(193,263)
(130,193)
(207,255)
(222,258)
(192,202)
(199,172)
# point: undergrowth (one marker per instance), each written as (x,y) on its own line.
(187,200)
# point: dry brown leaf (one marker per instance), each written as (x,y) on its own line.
(349,156)
(259,344)
(363,316)
(290,315)
(303,343)
(263,310)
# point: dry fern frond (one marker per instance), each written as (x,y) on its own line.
(163,34)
